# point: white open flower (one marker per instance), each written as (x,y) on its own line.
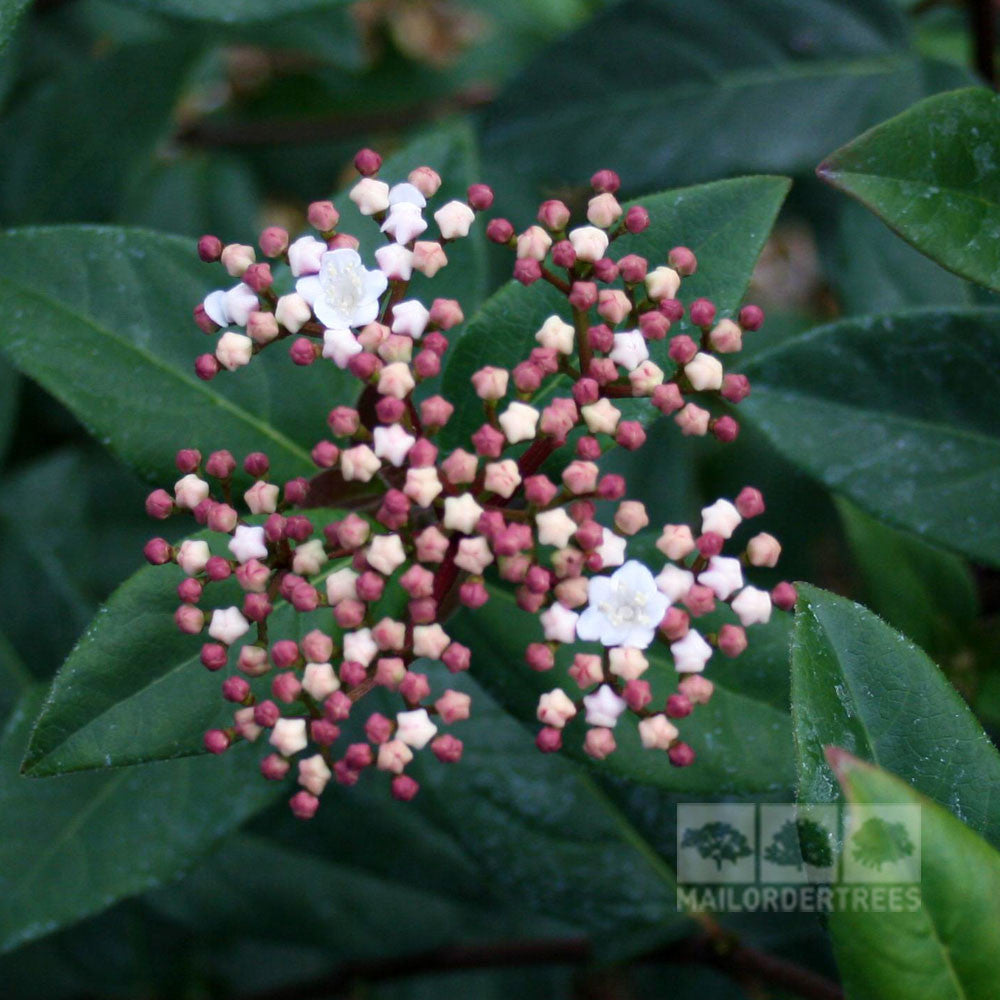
(248,543)
(604,707)
(724,575)
(623,609)
(340,346)
(629,350)
(344,293)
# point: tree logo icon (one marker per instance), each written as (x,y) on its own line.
(800,841)
(718,842)
(878,842)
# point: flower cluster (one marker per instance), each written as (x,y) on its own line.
(370,592)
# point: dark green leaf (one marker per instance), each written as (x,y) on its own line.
(725,223)
(889,411)
(71,846)
(10,386)
(933,175)
(10,14)
(680,107)
(741,738)
(946,947)
(14,677)
(231,11)
(133,690)
(859,685)
(926,593)
(101,317)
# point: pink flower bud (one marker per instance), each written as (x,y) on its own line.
(303,805)
(681,755)
(630,435)
(325,454)
(683,261)
(352,673)
(527,270)
(751,317)
(784,596)
(480,197)
(445,313)
(750,502)
(667,398)
(603,371)
(583,295)
(726,429)
(605,269)
(679,706)
(613,305)
(414,687)
(676,624)
(702,312)
(286,687)
(367,162)
(337,706)
(206,367)
(553,214)
(549,739)
(682,349)
(256,607)
(699,600)
(216,741)
(303,351)
(218,568)
(349,614)
(422,611)
(599,742)
(189,619)
(317,647)
(637,694)
(611,487)
(586,391)
(488,441)
(236,258)
(586,669)
(404,788)
(539,657)
(490,383)
(726,337)
(457,657)
(539,490)
(732,640)
(220,464)
(157,551)
(527,377)
(428,257)
(235,689)
(605,181)
(636,219)
(603,210)
(285,653)
(258,277)
(214,656)
(187,460)
(709,544)
(533,244)
(209,249)
(431,545)
(499,231)
(435,412)
(693,420)
(159,505)
(378,728)
(447,748)
(563,254)
(588,448)
(453,706)
(473,594)
(323,732)
(322,216)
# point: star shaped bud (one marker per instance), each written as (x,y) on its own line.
(432,545)
(344,294)
(627,663)
(454,220)
(233,350)
(657,732)
(393,444)
(292,312)
(603,210)
(192,556)
(262,498)
(601,417)
(559,623)
(289,736)
(405,222)
(393,756)
(589,243)
(359,463)
(763,550)
(305,254)
(409,318)
(604,707)
(314,774)
(752,606)
(462,513)
(371,196)
(360,646)
(319,680)
(386,554)
(395,262)
(237,257)
(557,335)
(415,728)
(690,653)
(704,372)
(228,625)
(724,576)
(453,706)
(631,517)
(555,527)
(623,609)
(422,485)
(533,244)
(662,283)
(232,306)
(519,422)
(430,641)
(189,491)
(339,346)
(629,350)
(473,555)
(693,420)
(555,708)
(611,550)
(308,558)
(645,378)
(675,582)
(248,543)
(502,478)
(721,517)
(490,383)
(726,337)
(244,723)
(396,380)
(676,541)
(429,257)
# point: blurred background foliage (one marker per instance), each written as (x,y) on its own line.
(222,116)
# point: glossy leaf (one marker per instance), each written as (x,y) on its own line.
(933,175)
(71,846)
(741,738)
(811,73)
(889,412)
(134,690)
(947,947)
(231,11)
(859,685)
(725,223)
(88,305)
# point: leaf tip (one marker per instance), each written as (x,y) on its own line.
(825,171)
(840,761)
